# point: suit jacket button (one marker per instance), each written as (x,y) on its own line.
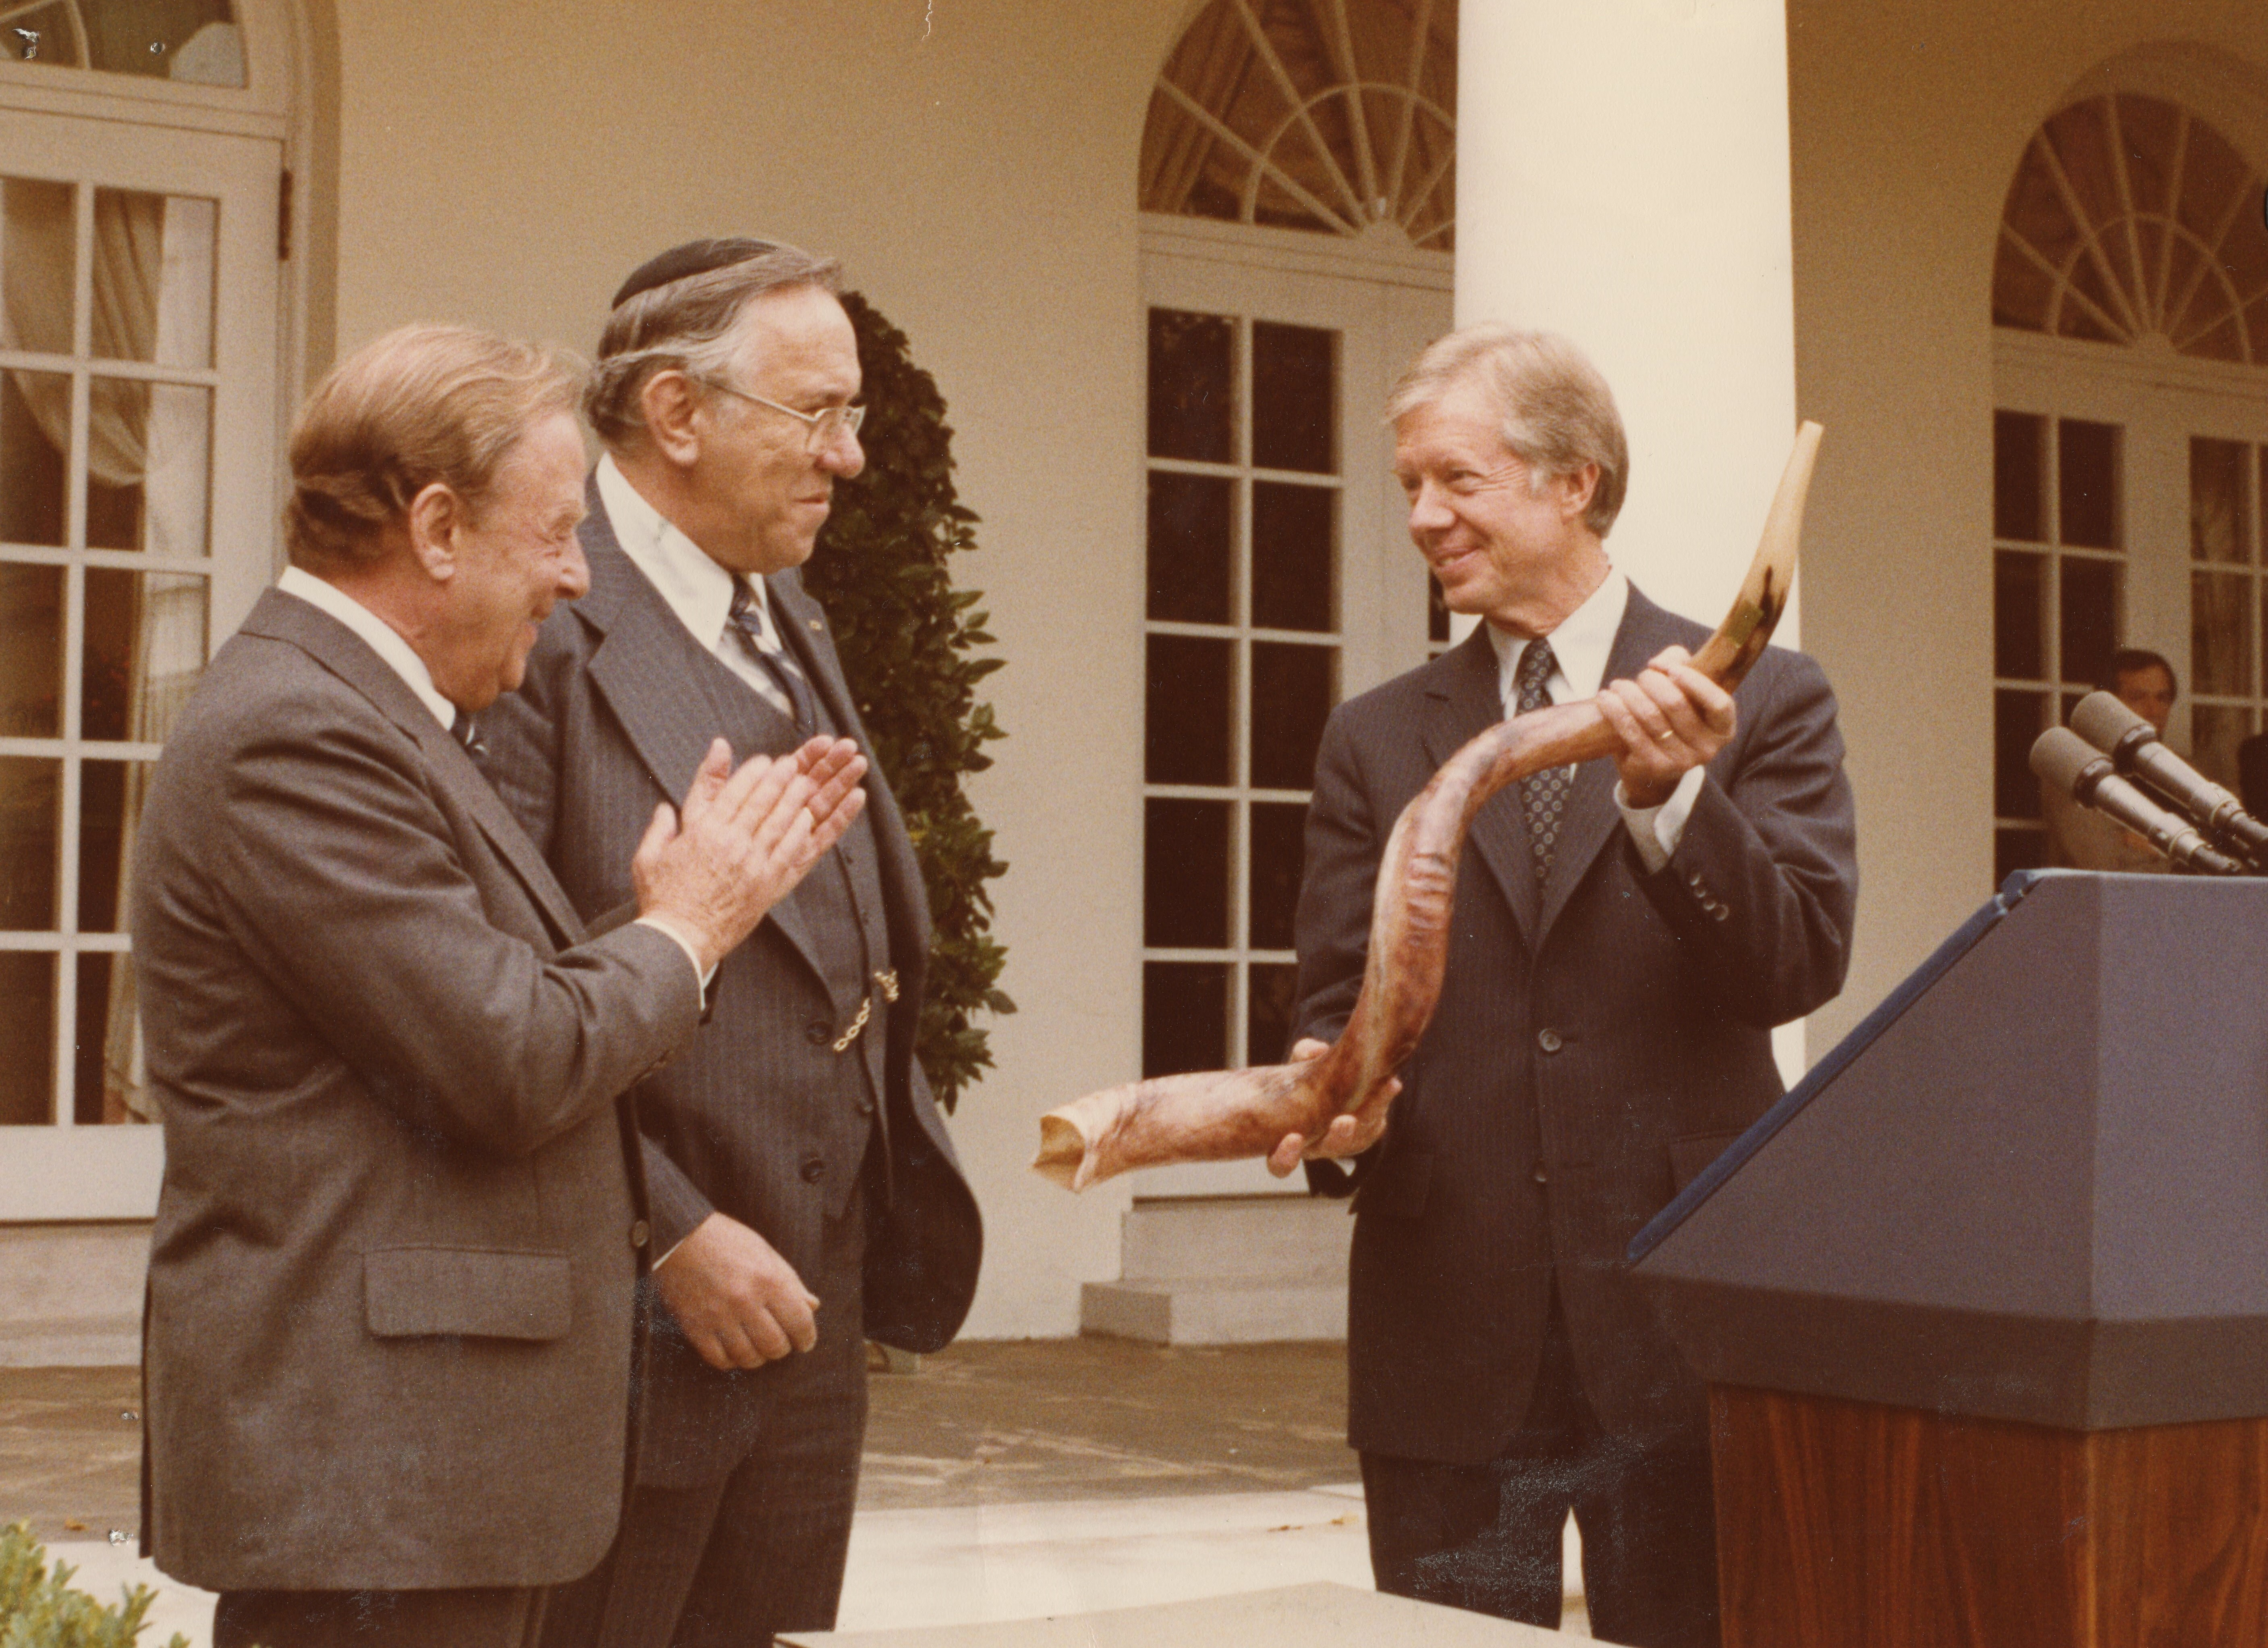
(1722,911)
(814,1169)
(640,1233)
(1550,1040)
(818,1033)
(1539,1176)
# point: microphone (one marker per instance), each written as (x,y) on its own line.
(2064,759)
(2135,747)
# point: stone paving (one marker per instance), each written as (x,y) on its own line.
(1002,1481)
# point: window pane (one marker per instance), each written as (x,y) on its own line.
(145,648)
(2018,476)
(1191,404)
(2215,731)
(109,800)
(1294,408)
(1276,827)
(31,651)
(2015,849)
(2087,487)
(2219,527)
(108,1080)
(30,794)
(35,432)
(1189,533)
(1185,875)
(1271,995)
(179,40)
(43,33)
(1292,697)
(153,277)
(39,257)
(1186,739)
(2090,618)
(27,1038)
(2020,622)
(149,466)
(1292,540)
(2018,717)
(1184,1017)
(2220,634)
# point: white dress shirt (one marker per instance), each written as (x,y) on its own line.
(403,659)
(693,586)
(1580,649)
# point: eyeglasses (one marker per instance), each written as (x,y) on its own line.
(820,427)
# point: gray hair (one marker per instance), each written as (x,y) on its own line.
(1555,412)
(691,325)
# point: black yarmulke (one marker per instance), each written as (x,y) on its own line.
(694,257)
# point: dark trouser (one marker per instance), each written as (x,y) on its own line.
(503,1618)
(727,1562)
(1488,1537)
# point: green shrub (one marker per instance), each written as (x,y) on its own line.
(38,1609)
(907,636)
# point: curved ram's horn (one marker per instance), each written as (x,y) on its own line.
(1220,1115)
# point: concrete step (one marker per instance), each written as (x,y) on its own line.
(1186,1311)
(70,1294)
(1284,1238)
(1226,1270)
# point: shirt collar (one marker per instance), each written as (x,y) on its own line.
(693,586)
(380,635)
(1580,645)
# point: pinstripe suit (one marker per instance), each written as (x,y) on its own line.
(762,1119)
(1599,1037)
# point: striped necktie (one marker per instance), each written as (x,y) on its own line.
(1542,796)
(745,618)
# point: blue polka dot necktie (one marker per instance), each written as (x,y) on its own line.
(1542,796)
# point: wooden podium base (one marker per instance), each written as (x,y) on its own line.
(1846,1525)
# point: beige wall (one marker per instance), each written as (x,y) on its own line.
(1908,119)
(508,163)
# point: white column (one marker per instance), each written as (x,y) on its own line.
(1622,177)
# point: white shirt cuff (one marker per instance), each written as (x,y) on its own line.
(1656,830)
(684,943)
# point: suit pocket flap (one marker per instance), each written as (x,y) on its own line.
(476,1292)
(1694,1152)
(1397,1185)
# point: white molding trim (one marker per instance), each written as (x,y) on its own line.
(1298,251)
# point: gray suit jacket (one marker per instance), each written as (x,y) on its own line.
(1598,1040)
(392,1274)
(609,721)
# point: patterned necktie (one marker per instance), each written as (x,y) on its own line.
(794,688)
(466,732)
(1543,795)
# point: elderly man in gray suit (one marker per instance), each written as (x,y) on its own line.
(392,1274)
(1626,937)
(806,1196)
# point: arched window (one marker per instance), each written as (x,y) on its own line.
(1332,116)
(141,160)
(1298,189)
(2129,292)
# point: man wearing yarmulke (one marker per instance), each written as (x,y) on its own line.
(804,1196)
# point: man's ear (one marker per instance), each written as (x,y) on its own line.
(434,517)
(1577,488)
(672,403)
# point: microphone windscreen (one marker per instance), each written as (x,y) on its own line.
(2060,755)
(2103,720)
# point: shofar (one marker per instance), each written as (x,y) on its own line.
(1220,1115)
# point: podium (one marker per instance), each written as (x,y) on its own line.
(1983,1303)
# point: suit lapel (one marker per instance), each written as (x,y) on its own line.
(346,655)
(1593,817)
(1462,702)
(801,624)
(639,666)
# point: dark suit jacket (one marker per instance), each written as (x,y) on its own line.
(1597,1041)
(391,1279)
(608,723)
